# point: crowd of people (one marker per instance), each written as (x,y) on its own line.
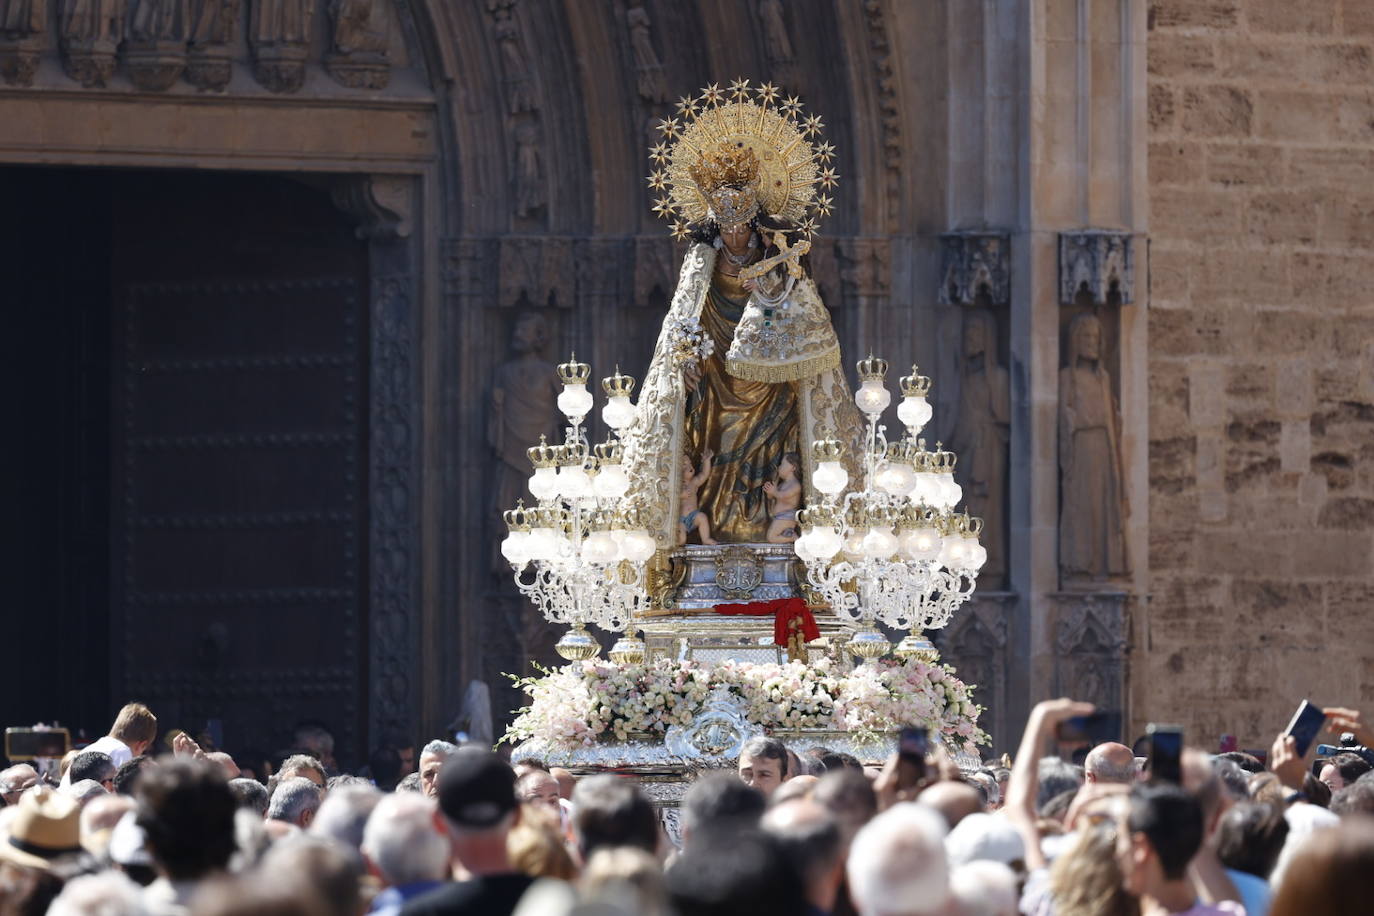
(117,831)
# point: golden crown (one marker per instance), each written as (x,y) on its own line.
(915,385)
(517,519)
(544,455)
(815,516)
(574,373)
(941,461)
(618,385)
(872,369)
(826,447)
(725,138)
(608,453)
(573,456)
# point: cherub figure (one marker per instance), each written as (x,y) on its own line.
(784,496)
(693,519)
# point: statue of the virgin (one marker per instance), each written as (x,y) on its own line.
(746,372)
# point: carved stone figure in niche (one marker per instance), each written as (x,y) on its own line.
(981,435)
(529,169)
(1092,526)
(209,61)
(358,58)
(524,406)
(90,32)
(778,45)
(648,68)
(514,68)
(156,50)
(280,36)
(23,26)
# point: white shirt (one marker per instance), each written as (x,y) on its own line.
(117,750)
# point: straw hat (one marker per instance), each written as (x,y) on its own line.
(45,825)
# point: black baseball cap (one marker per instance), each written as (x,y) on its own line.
(476,788)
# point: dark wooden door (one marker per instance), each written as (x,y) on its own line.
(239,448)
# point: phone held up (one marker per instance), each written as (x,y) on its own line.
(1166,752)
(1305,726)
(913,743)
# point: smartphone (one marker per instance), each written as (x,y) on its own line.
(913,743)
(1305,726)
(26,743)
(1166,752)
(1098,728)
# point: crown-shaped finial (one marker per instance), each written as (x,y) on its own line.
(574,373)
(517,519)
(608,453)
(941,461)
(618,385)
(573,454)
(872,369)
(826,447)
(544,455)
(724,164)
(915,385)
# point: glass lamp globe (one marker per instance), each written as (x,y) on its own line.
(516,548)
(977,556)
(574,482)
(854,545)
(611,482)
(544,483)
(897,478)
(922,543)
(914,412)
(872,398)
(824,542)
(830,477)
(575,401)
(638,546)
(879,543)
(952,491)
(541,545)
(953,553)
(618,412)
(599,547)
(925,489)
(802,547)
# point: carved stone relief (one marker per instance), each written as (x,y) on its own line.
(975,643)
(23,34)
(654,267)
(881,48)
(280,36)
(1093,504)
(209,61)
(528,169)
(90,32)
(358,43)
(382,205)
(649,78)
(1090,634)
(1100,262)
(537,269)
(975,263)
(515,69)
(980,437)
(156,48)
(864,267)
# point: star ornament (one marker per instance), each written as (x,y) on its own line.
(712,95)
(739,90)
(792,106)
(824,204)
(669,127)
(812,126)
(807,227)
(828,178)
(664,207)
(658,180)
(768,93)
(659,153)
(680,231)
(825,151)
(687,106)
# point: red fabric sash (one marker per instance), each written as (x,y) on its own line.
(783,611)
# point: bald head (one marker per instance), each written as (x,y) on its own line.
(810,836)
(1110,762)
(954,800)
(796,787)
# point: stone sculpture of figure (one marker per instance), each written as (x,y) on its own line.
(23,18)
(214,22)
(359,26)
(647,65)
(282,21)
(529,169)
(23,32)
(524,406)
(981,435)
(1092,527)
(514,69)
(160,20)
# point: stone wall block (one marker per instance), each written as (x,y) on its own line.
(1294,395)
(1282,217)
(1206,394)
(1176,163)
(1194,14)
(1243,164)
(1295,446)
(1200,216)
(1285,17)
(1162,108)
(1185,56)
(1341,168)
(1217,111)
(1282,114)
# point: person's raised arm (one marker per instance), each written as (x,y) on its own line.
(1025,772)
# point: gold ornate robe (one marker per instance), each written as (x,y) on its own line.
(748,423)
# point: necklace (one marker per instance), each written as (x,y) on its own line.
(739,260)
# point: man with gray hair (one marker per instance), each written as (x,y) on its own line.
(15,780)
(404,851)
(344,814)
(295,801)
(1110,763)
(251,794)
(897,864)
(432,758)
(302,765)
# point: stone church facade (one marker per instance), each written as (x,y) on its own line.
(1126,239)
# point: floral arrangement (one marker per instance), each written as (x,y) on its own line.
(597,701)
(688,342)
